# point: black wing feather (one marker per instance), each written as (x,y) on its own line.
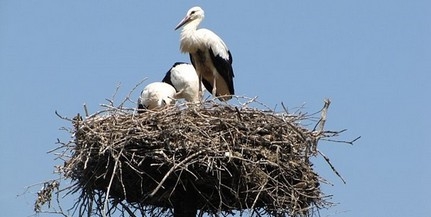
(191,60)
(207,85)
(178,63)
(167,78)
(224,67)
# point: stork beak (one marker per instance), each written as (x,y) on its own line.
(182,22)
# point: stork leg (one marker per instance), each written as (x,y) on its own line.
(214,90)
(200,88)
(178,94)
(200,81)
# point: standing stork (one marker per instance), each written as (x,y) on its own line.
(208,54)
(156,95)
(183,77)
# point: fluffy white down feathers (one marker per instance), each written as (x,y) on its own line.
(183,77)
(180,82)
(156,95)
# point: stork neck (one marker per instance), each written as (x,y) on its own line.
(189,38)
(192,25)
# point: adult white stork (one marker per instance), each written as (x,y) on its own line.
(156,95)
(208,54)
(183,77)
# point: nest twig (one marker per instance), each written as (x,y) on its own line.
(215,158)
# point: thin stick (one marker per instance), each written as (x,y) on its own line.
(62,117)
(284,108)
(343,141)
(323,114)
(110,183)
(332,167)
(127,209)
(173,168)
(86,110)
(130,93)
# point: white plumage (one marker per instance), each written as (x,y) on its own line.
(208,54)
(183,77)
(156,95)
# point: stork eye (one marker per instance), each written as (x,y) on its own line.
(191,13)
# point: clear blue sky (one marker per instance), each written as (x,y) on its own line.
(372,58)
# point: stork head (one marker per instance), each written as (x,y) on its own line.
(194,14)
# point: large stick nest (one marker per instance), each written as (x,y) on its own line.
(218,157)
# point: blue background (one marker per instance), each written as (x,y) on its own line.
(371,58)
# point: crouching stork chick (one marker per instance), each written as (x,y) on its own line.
(156,95)
(183,77)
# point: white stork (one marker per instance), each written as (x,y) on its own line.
(156,95)
(208,54)
(183,77)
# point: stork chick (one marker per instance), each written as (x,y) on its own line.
(182,76)
(155,96)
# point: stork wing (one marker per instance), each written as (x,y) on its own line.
(213,41)
(167,78)
(220,56)
(224,67)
